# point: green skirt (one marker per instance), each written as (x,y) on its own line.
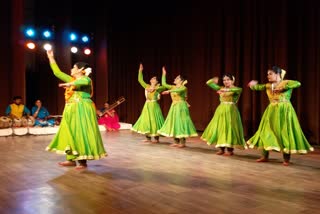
(225,128)
(79,136)
(178,123)
(150,120)
(280,130)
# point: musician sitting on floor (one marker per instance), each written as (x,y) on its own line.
(108,118)
(17,110)
(41,115)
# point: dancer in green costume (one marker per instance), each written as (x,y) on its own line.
(78,136)
(225,128)
(178,123)
(279,128)
(151,118)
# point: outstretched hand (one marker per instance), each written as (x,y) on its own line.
(165,92)
(61,85)
(50,53)
(64,85)
(252,83)
(164,72)
(215,80)
(140,67)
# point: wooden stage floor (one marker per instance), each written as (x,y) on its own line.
(147,179)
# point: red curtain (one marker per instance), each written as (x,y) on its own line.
(243,37)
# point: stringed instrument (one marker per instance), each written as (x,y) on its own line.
(112,106)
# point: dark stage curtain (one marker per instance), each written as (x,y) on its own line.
(243,37)
(200,41)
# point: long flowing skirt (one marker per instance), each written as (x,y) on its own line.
(225,128)
(79,136)
(280,130)
(150,120)
(178,123)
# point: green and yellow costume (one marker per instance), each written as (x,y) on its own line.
(78,136)
(279,128)
(178,123)
(151,117)
(225,128)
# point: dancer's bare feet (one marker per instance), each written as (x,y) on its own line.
(155,141)
(228,154)
(262,159)
(67,163)
(285,163)
(220,152)
(81,166)
(174,145)
(181,146)
(146,141)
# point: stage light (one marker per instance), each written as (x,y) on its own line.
(87,51)
(47,34)
(85,39)
(30,32)
(73,37)
(47,47)
(31,45)
(74,49)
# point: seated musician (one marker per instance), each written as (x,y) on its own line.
(41,115)
(108,118)
(17,110)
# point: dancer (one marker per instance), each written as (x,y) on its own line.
(151,118)
(178,123)
(108,118)
(78,136)
(279,128)
(225,129)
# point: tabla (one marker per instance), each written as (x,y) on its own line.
(17,122)
(5,122)
(27,121)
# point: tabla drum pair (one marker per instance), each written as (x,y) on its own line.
(5,122)
(23,122)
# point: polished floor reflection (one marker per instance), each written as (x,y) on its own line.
(154,178)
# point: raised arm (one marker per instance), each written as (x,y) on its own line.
(164,79)
(140,77)
(213,83)
(55,68)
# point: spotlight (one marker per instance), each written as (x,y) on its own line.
(47,34)
(85,39)
(31,45)
(73,37)
(47,47)
(30,32)
(74,49)
(87,51)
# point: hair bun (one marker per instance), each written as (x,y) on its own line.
(88,71)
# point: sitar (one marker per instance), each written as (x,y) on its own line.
(112,106)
